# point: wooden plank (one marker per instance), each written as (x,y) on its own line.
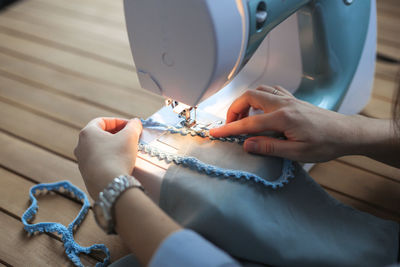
(87,11)
(378,108)
(385,7)
(373,166)
(130,103)
(15,200)
(389,50)
(385,89)
(388,70)
(385,84)
(76,113)
(36,9)
(40,165)
(68,40)
(360,184)
(68,62)
(65,28)
(362,206)
(388,29)
(108,3)
(15,197)
(45,167)
(39,250)
(46,133)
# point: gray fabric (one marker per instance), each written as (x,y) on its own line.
(299,225)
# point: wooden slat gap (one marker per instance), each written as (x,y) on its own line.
(3,262)
(383,98)
(18,174)
(385,77)
(36,145)
(382,57)
(361,200)
(46,64)
(47,88)
(40,113)
(367,170)
(368,115)
(31,8)
(27,18)
(10,214)
(392,43)
(84,16)
(23,176)
(52,235)
(67,48)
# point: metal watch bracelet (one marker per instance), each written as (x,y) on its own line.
(104,207)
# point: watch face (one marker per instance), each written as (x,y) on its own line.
(99,216)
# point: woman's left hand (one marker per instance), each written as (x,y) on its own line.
(107,148)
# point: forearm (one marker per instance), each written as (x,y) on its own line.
(374,138)
(141,224)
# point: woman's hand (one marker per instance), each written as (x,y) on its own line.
(312,134)
(107,148)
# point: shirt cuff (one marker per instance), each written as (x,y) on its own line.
(187,248)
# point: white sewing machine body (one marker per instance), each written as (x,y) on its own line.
(190,62)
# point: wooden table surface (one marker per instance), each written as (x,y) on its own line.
(63,63)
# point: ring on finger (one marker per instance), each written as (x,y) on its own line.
(275,92)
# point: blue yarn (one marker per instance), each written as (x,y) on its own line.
(211,170)
(72,249)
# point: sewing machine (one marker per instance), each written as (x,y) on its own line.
(202,54)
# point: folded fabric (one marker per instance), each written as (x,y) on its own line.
(297,225)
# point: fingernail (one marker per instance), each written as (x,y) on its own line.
(251,146)
(212,131)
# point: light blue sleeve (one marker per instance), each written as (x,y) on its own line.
(187,248)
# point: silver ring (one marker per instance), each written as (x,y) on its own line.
(275,92)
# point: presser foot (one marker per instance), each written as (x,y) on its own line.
(186,112)
(198,126)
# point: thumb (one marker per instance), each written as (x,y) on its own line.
(272,147)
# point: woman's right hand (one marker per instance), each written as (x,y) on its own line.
(312,134)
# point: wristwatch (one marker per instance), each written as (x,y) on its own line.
(104,207)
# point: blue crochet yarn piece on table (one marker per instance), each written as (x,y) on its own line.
(72,249)
(211,170)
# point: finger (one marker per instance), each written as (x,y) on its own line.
(275,90)
(268,89)
(243,115)
(283,90)
(274,147)
(250,125)
(111,125)
(251,98)
(133,127)
(131,133)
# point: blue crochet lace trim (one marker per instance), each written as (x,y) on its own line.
(211,170)
(150,123)
(72,249)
